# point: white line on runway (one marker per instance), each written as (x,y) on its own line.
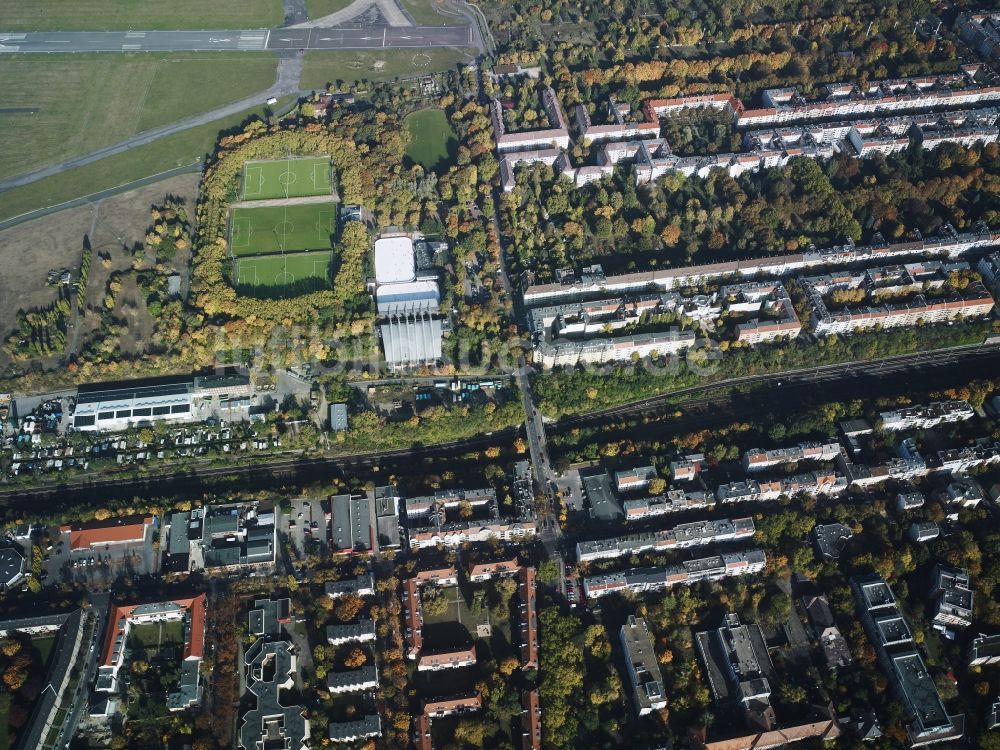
(384,31)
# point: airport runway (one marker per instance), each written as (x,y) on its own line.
(372,37)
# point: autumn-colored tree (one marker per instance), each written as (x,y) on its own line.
(355,659)
(347,607)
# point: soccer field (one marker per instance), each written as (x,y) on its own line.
(287,178)
(278,229)
(277,271)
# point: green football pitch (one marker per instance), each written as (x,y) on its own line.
(283,270)
(275,229)
(286,178)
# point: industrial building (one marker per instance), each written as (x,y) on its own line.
(113,407)
(407,304)
(239,535)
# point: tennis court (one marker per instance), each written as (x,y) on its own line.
(287,178)
(277,271)
(281,229)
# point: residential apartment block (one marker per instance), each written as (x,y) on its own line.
(653,579)
(646,682)
(951,597)
(757,459)
(686,535)
(922,417)
(927,718)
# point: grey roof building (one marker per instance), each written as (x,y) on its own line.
(363,585)
(270,669)
(11,566)
(353,523)
(338,417)
(268,615)
(604,506)
(351,731)
(984,649)
(951,593)
(411,339)
(922,531)
(682,536)
(387,501)
(927,718)
(352,632)
(222,536)
(739,670)
(831,539)
(640,660)
(365,678)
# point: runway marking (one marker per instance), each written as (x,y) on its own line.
(384,32)
(267,39)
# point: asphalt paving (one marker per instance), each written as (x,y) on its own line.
(249,40)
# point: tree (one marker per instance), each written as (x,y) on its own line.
(14,677)
(657,486)
(548,571)
(433,602)
(347,607)
(508,666)
(356,658)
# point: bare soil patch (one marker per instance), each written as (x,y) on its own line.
(29,251)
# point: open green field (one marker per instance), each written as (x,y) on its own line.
(90,15)
(153,158)
(286,178)
(278,271)
(281,229)
(151,635)
(57,107)
(319,8)
(431,137)
(423,13)
(323,67)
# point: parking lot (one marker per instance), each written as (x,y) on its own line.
(571,487)
(306,527)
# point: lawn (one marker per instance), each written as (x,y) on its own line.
(62,15)
(423,13)
(431,137)
(286,178)
(278,229)
(56,107)
(151,635)
(319,8)
(323,67)
(159,156)
(287,271)
(44,646)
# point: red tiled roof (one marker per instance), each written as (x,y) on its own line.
(120,616)
(86,536)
